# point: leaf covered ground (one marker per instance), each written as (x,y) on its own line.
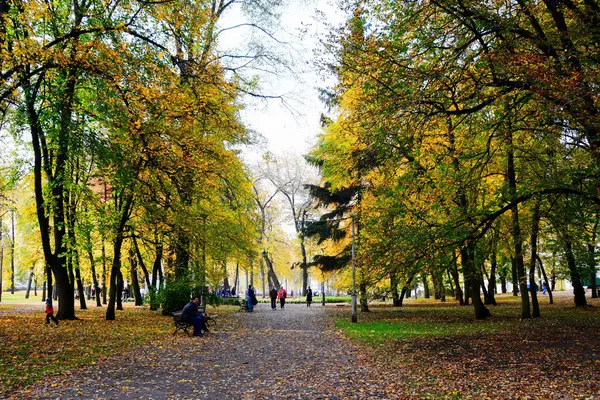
(424,350)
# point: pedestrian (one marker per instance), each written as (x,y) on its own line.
(50,312)
(308,297)
(250,298)
(282,295)
(191,314)
(273,296)
(544,287)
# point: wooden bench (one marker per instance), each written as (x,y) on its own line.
(210,320)
(181,325)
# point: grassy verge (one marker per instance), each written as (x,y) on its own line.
(31,351)
(437,350)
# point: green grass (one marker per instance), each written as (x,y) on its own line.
(428,318)
(19,297)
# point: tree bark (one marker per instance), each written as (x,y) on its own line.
(549,287)
(535,227)
(491,297)
(578,290)
(135,284)
(29,283)
(270,270)
(394,289)
(468,262)
(455,277)
(515,279)
(425,286)
(404,291)
(104,287)
(12,252)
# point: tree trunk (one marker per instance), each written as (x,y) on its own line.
(455,277)
(592,258)
(120,287)
(93,270)
(578,290)
(362,286)
(80,288)
(135,284)
(156,268)
(425,286)
(115,274)
(270,270)
(548,286)
(226,279)
(404,291)
(515,279)
(235,289)
(535,227)
(44,290)
(29,283)
(104,291)
(516,229)
(468,262)
(491,297)
(12,253)
(593,272)
(304,266)
(394,289)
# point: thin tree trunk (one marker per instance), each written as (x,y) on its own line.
(120,287)
(394,289)
(29,283)
(135,284)
(548,286)
(44,290)
(270,270)
(515,279)
(535,227)
(455,277)
(12,253)
(104,288)
(491,298)
(516,230)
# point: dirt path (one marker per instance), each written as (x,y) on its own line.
(282,354)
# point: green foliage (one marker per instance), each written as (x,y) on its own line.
(175,295)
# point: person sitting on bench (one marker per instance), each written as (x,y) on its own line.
(190,314)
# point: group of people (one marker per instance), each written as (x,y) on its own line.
(274,294)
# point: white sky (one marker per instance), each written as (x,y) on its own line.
(290,126)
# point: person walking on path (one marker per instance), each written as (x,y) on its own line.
(273,296)
(250,298)
(190,314)
(308,297)
(282,295)
(50,312)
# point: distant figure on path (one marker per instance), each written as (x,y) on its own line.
(50,312)
(273,296)
(308,297)
(190,314)
(282,295)
(250,296)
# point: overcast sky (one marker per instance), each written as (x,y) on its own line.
(293,124)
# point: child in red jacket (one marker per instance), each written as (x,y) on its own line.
(50,312)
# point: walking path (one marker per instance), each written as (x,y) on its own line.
(284,354)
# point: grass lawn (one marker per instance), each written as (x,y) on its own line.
(437,350)
(30,350)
